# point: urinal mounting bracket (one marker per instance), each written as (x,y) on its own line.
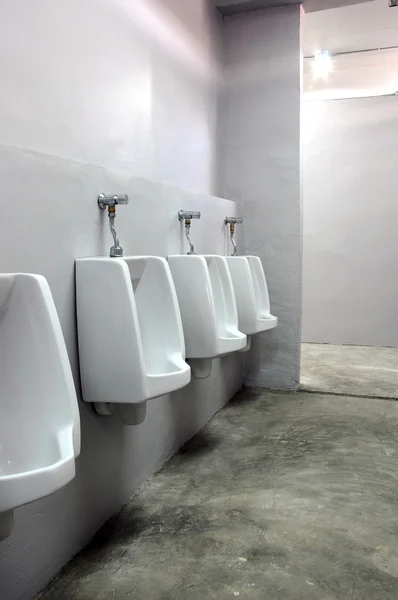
(232,221)
(110,201)
(187,215)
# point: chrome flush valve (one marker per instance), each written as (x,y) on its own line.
(187,215)
(232,221)
(110,201)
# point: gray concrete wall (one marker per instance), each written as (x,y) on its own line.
(260,168)
(105,95)
(350,208)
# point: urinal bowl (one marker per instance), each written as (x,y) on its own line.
(39,417)
(251,293)
(207,304)
(39,468)
(131,342)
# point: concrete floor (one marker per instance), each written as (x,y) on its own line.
(281,496)
(353,370)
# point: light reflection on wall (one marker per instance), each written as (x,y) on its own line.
(158,22)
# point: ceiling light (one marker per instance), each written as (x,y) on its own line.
(322,63)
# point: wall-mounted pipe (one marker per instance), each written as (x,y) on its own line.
(110,201)
(232,221)
(187,215)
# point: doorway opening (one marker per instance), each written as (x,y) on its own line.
(350,201)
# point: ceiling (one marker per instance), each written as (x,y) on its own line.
(352,35)
(352,31)
(235,6)
(352,28)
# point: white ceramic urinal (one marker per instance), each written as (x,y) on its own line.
(131,342)
(39,416)
(251,293)
(208,308)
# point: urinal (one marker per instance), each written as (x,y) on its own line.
(251,293)
(131,342)
(39,416)
(208,309)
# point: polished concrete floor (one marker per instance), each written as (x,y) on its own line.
(353,370)
(281,496)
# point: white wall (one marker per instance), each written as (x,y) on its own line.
(260,168)
(350,183)
(113,83)
(117,97)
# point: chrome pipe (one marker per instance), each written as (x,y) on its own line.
(232,221)
(110,201)
(231,237)
(187,230)
(187,215)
